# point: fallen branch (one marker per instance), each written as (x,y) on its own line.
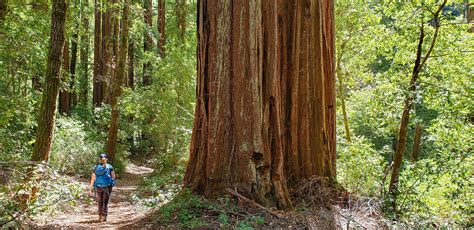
(235,193)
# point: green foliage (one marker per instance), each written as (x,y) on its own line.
(376,43)
(360,167)
(55,192)
(186,208)
(73,152)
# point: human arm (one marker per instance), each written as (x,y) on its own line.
(91,186)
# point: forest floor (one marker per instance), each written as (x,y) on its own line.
(124,209)
(319,206)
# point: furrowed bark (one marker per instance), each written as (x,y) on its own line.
(265,92)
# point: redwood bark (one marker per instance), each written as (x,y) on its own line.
(44,132)
(117,85)
(64,101)
(97,94)
(264,113)
(84,56)
(108,65)
(148,40)
(72,71)
(161,24)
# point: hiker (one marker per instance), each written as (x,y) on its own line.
(102,181)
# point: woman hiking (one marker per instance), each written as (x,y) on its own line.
(102,180)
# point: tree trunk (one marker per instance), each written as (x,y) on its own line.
(84,56)
(415,152)
(117,85)
(44,132)
(148,40)
(64,102)
(403,129)
(181,12)
(131,77)
(161,24)
(342,96)
(97,94)
(108,49)
(72,71)
(263,114)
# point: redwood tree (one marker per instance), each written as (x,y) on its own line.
(97,96)
(147,39)
(64,95)
(264,117)
(47,112)
(161,24)
(117,85)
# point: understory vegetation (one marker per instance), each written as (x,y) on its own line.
(376,44)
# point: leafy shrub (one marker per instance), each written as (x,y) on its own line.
(73,152)
(54,192)
(360,167)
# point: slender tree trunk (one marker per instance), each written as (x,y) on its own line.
(64,102)
(161,24)
(342,97)
(108,49)
(44,132)
(415,152)
(131,77)
(403,129)
(181,12)
(84,56)
(148,40)
(263,116)
(97,94)
(72,71)
(117,84)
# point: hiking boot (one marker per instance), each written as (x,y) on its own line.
(101,218)
(104,218)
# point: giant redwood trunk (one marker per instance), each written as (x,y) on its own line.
(44,132)
(264,117)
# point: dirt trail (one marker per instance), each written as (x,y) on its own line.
(123,210)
